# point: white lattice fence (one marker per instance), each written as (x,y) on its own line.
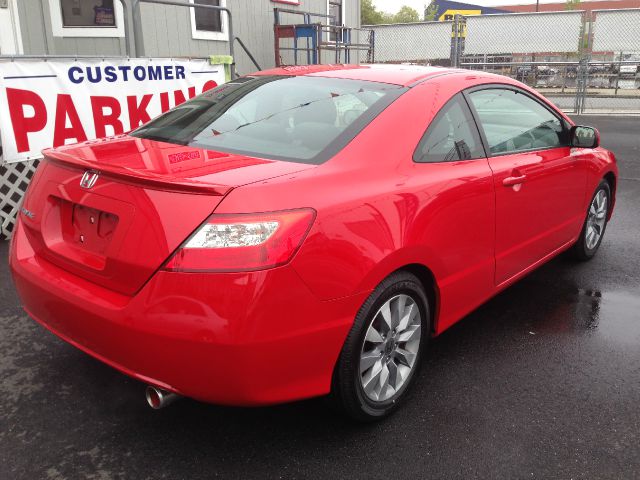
(14,179)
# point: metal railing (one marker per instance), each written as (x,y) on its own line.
(246,50)
(297,32)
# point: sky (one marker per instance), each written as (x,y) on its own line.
(392,6)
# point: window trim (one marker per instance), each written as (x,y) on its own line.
(459,96)
(59,30)
(505,86)
(222,36)
(12,30)
(342,13)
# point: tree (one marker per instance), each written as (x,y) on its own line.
(572,4)
(431,11)
(369,15)
(406,15)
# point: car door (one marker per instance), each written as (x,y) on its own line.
(539,184)
(455,182)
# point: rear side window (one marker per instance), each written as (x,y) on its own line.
(302,119)
(451,136)
(514,122)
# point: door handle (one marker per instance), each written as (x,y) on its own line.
(511,181)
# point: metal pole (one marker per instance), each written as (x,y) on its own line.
(534,69)
(372,45)
(454,47)
(195,5)
(618,75)
(583,70)
(588,61)
(276,35)
(295,46)
(246,50)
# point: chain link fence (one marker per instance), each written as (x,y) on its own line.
(418,43)
(612,83)
(542,50)
(584,63)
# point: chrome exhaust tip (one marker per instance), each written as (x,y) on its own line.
(158,398)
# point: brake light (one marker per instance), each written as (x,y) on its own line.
(243,242)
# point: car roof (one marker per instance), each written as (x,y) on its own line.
(404,75)
(397,74)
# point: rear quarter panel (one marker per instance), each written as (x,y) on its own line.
(379,211)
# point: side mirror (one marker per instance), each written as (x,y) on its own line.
(584,137)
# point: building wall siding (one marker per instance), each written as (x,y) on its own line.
(167,31)
(352,14)
(32,26)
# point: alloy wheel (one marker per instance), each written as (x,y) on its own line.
(596,219)
(390,348)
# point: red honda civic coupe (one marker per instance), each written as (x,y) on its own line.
(305,231)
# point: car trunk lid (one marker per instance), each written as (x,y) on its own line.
(113,211)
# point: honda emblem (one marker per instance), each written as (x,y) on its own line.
(89,179)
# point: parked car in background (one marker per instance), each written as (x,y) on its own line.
(305,231)
(628,70)
(600,68)
(523,71)
(546,70)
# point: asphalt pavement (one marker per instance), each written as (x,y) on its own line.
(543,381)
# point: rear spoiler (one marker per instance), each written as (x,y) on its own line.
(137,177)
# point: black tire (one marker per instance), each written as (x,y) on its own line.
(347,392)
(580,250)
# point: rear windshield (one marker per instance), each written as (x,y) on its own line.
(301,119)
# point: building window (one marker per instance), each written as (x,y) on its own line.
(208,20)
(86,18)
(208,24)
(335,8)
(96,13)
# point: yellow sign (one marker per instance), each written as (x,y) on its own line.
(452,12)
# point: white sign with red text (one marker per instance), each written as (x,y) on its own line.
(53,103)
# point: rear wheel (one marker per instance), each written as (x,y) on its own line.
(595,223)
(383,349)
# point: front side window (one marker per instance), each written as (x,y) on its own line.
(451,136)
(88,13)
(302,119)
(514,122)
(207,23)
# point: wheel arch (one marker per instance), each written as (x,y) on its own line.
(419,261)
(611,179)
(428,282)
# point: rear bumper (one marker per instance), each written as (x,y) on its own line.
(251,338)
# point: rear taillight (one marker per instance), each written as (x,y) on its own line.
(243,242)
